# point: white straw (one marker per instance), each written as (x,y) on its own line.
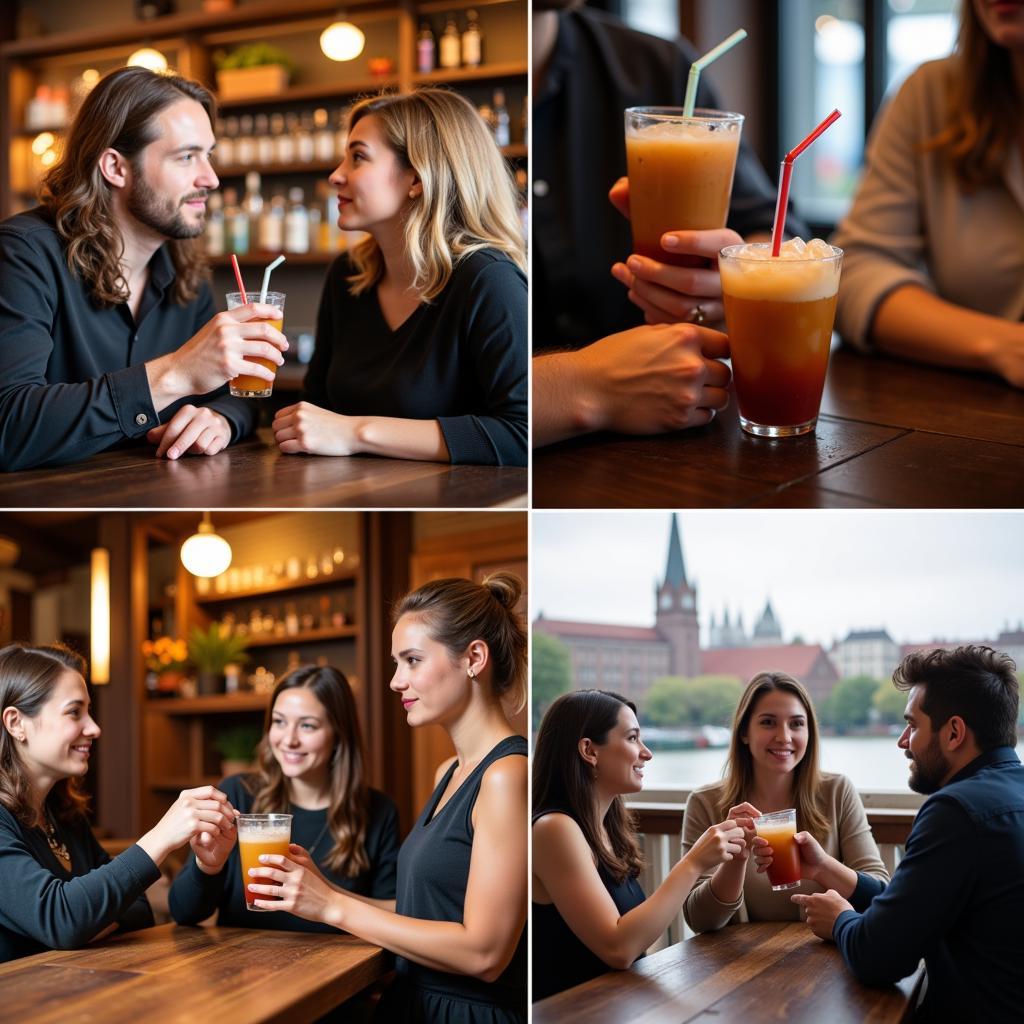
(266,277)
(702,62)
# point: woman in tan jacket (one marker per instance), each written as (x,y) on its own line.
(773,765)
(934,242)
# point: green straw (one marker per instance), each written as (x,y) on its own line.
(702,62)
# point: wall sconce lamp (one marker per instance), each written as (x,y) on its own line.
(206,553)
(99,617)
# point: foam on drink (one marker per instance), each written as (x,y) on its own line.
(802,272)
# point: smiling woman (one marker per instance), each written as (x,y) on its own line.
(61,890)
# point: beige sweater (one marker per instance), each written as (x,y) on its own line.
(850,841)
(911,224)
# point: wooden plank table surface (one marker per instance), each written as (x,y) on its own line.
(255,474)
(749,972)
(891,434)
(175,974)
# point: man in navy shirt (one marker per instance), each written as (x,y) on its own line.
(107,327)
(957,897)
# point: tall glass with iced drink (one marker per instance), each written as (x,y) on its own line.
(680,174)
(779,829)
(779,313)
(245,385)
(259,834)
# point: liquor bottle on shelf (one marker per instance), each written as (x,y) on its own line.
(341,135)
(226,142)
(271,236)
(245,144)
(502,127)
(296,222)
(472,42)
(426,49)
(451,44)
(252,206)
(323,137)
(215,242)
(301,130)
(236,222)
(283,141)
(264,143)
(330,237)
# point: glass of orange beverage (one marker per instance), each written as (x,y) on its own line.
(244,385)
(779,828)
(778,313)
(259,834)
(680,174)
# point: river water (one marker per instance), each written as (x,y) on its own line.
(871,762)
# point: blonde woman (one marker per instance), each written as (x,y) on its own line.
(773,765)
(459,926)
(421,348)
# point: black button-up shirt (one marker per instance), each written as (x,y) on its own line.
(72,379)
(598,68)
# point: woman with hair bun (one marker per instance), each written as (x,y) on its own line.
(312,765)
(774,765)
(421,343)
(459,927)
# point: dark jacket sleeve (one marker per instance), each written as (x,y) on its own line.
(241,413)
(195,895)
(68,914)
(497,345)
(384,855)
(49,424)
(928,892)
(140,913)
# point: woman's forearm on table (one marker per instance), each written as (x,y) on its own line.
(401,438)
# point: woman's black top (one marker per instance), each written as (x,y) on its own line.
(460,359)
(44,906)
(560,959)
(195,895)
(433,873)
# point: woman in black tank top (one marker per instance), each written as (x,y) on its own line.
(589,913)
(459,927)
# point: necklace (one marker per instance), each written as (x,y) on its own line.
(57,847)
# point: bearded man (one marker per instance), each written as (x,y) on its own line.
(108,332)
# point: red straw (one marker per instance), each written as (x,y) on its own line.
(238,278)
(787,172)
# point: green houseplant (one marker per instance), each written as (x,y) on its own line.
(237,748)
(251,70)
(211,651)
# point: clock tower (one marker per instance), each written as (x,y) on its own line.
(676,611)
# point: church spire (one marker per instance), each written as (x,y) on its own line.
(675,571)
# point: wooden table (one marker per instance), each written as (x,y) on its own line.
(170,973)
(747,972)
(254,474)
(891,434)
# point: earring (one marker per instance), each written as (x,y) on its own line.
(472,675)
(412,193)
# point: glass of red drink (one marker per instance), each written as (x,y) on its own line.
(779,828)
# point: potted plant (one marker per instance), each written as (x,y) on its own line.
(252,70)
(211,650)
(237,747)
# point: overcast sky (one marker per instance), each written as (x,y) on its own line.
(921,575)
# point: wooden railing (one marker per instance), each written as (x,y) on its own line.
(661,826)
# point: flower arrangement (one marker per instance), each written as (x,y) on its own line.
(165,655)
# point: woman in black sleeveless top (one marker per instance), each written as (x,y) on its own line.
(589,912)
(459,928)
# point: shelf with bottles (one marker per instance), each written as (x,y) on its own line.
(310,636)
(485,72)
(314,91)
(292,576)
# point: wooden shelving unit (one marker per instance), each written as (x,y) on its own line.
(192,39)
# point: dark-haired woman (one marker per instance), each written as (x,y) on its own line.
(934,265)
(772,766)
(60,889)
(312,766)
(459,927)
(590,914)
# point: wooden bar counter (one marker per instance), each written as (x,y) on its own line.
(891,434)
(255,474)
(170,973)
(748,972)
